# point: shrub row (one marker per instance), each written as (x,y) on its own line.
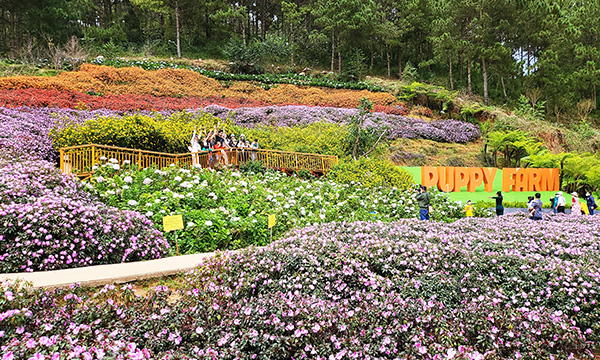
(470,290)
(94,79)
(49,222)
(229,209)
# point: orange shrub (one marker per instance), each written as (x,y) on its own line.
(187,83)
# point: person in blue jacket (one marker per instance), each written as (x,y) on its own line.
(591,203)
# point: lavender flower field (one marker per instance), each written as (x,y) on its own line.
(48,222)
(397,126)
(506,288)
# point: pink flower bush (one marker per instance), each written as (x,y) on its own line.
(49,222)
(344,291)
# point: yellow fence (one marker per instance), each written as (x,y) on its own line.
(81,160)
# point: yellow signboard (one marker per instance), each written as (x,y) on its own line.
(271,221)
(171,223)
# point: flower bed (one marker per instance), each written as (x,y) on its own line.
(102,80)
(397,126)
(228,209)
(49,222)
(122,102)
(470,290)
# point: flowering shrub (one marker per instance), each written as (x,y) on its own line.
(49,222)
(474,289)
(154,132)
(228,210)
(122,102)
(397,126)
(94,79)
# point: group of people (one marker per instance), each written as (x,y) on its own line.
(215,142)
(534,205)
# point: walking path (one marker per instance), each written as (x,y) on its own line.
(100,275)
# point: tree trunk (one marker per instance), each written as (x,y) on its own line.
(339,56)
(243,31)
(177,29)
(469,86)
(485,81)
(450,72)
(389,73)
(400,63)
(372,59)
(292,41)
(332,50)
(504,89)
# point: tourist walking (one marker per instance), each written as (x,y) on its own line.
(591,202)
(575,206)
(561,202)
(499,207)
(535,207)
(424,201)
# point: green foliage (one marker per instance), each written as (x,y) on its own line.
(361,141)
(579,172)
(316,138)
(258,55)
(356,67)
(513,146)
(525,108)
(255,167)
(156,133)
(371,173)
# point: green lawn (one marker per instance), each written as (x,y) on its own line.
(480,195)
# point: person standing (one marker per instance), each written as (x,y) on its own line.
(424,201)
(554,203)
(499,207)
(591,202)
(561,202)
(575,206)
(535,208)
(469,209)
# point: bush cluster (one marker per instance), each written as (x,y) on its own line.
(48,221)
(156,132)
(229,209)
(470,290)
(101,80)
(372,173)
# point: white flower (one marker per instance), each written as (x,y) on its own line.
(232,189)
(103,158)
(125,187)
(208,223)
(128,179)
(132,203)
(235,219)
(147,181)
(126,162)
(190,224)
(99,179)
(177,178)
(157,201)
(186,184)
(95,167)
(116,167)
(149,214)
(113,161)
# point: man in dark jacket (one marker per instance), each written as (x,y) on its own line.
(424,200)
(591,203)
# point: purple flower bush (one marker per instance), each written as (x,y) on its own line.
(397,126)
(27,128)
(48,221)
(475,289)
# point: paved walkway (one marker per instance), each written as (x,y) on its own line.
(101,275)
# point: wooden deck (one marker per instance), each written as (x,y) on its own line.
(81,160)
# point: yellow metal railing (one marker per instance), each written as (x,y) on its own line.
(80,160)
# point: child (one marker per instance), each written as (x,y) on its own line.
(469,209)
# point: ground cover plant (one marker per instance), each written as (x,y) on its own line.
(101,80)
(474,289)
(48,221)
(229,209)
